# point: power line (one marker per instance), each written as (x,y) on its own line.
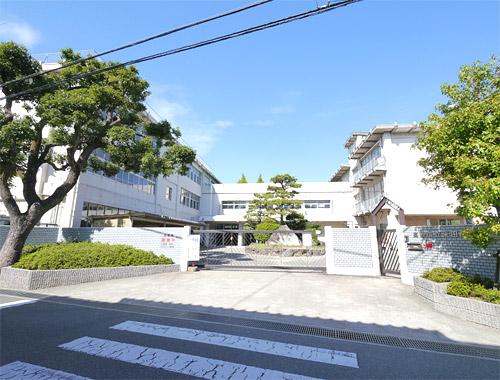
(325,8)
(139,42)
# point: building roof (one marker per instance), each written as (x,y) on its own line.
(375,134)
(146,217)
(340,172)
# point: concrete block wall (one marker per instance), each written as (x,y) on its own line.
(449,249)
(162,241)
(352,251)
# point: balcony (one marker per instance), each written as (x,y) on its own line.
(367,205)
(370,170)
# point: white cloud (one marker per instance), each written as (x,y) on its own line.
(18,31)
(279,110)
(200,134)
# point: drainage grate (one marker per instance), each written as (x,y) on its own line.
(386,340)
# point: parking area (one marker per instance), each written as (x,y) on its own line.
(380,305)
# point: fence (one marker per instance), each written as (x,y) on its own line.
(173,242)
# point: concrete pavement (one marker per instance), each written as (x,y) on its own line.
(374,305)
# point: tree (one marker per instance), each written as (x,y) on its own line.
(260,180)
(277,202)
(462,141)
(243,179)
(104,111)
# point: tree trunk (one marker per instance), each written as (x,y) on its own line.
(19,230)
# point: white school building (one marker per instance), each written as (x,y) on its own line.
(382,166)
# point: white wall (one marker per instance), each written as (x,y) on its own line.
(338,193)
(403,179)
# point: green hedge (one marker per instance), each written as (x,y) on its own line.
(465,286)
(85,255)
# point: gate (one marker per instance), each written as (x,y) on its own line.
(388,251)
(279,249)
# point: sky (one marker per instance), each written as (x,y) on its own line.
(283,100)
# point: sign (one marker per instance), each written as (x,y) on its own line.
(168,241)
(193,247)
(438,234)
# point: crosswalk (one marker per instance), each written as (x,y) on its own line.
(185,363)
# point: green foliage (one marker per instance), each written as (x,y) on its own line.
(483,293)
(465,286)
(442,275)
(260,179)
(267,226)
(459,288)
(104,111)
(86,255)
(296,221)
(277,202)
(243,179)
(462,141)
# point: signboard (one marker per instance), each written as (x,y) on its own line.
(193,245)
(168,241)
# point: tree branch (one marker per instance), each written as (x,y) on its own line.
(7,198)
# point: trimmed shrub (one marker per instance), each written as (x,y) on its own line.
(459,288)
(443,275)
(486,282)
(86,255)
(266,226)
(482,293)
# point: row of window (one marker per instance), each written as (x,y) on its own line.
(190,199)
(195,175)
(135,180)
(231,205)
(90,209)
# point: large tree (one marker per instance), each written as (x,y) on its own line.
(462,141)
(65,124)
(277,202)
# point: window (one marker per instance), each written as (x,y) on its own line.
(194,175)
(168,193)
(234,205)
(138,181)
(317,204)
(189,199)
(91,209)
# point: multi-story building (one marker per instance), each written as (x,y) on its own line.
(383,165)
(223,206)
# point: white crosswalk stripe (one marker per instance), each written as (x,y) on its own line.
(322,355)
(21,370)
(192,365)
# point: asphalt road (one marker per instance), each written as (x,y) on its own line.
(53,338)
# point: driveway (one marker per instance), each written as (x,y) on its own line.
(374,305)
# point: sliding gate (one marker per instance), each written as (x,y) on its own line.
(388,251)
(260,249)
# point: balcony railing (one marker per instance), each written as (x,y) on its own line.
(370,167)
(368,204)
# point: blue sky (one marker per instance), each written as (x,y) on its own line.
(285,99)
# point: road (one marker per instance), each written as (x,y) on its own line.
(71,339)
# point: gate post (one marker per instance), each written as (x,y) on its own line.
(240,239)
(329,249)
(406,277)
(186,231)
(376,251)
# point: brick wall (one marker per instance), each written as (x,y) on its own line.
(449,249)
(351,251)
(149,239)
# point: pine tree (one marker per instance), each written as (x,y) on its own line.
(260,180)
(243,179)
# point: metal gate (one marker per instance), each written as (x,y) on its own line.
(260,249)
(388,251)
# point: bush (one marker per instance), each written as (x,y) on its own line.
(86,255)
(482,293)
(443,275)
(459,288)
(266,226)
(486,282)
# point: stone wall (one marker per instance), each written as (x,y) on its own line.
(444,246)
(352,251)
(162,241)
